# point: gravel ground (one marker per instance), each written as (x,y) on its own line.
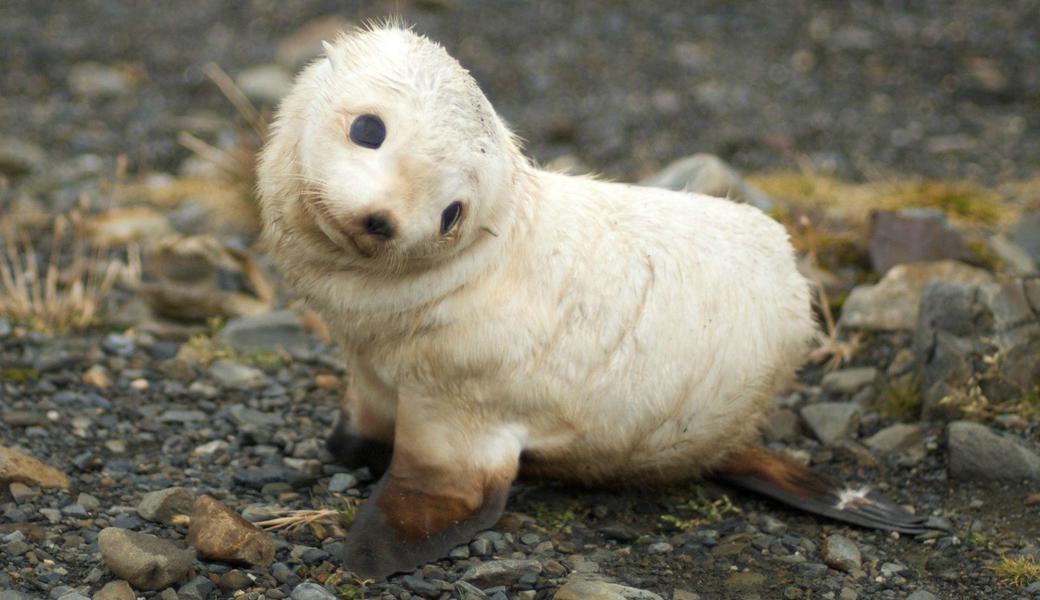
(941,89)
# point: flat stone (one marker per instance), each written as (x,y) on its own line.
(892,304)
(145,561)
(832,421)
(977,453)
(710,175)
(312,591)
(342,482)
(219,533)
(922,595)
(267,332)
(913,235)
(895,438)
(745,582)
(231,374)
(500,572)
(581,588)
(19,157)
(22,468)
(848,381)
(162,506)
(841,553)
(115,590)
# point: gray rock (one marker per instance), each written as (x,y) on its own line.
(265,83)
(1027,234)
(5,328)
(118,344)
(581,588)
(143,560)
(14,595)
(182,416)
(831,421)
(162,505)
(73,595)
(198,588)
(88,502)
(231,374)
(922,595)
(848,381)
(841,553)
(977,342)
(500,572)
(281,329)
(248,417)
(975,452)
(94,80)
(893,303)
(115,590)
(311,591)
(1016,259)
(659,548)
(342,482)
(783,425)
(895,438)
(913,235)
(709,174)
(19,157)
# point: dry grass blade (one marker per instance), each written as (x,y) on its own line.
(237,97)
(832,350)
(294,519)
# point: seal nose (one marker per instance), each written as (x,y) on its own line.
(378,224)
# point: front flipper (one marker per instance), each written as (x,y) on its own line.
(444,485)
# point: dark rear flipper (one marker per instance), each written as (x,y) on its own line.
(770,474)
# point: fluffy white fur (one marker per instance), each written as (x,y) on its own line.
(608,330)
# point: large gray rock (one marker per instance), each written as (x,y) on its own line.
(709,174)
(895,438)
(280,329)
(977,343)
(913,235)
(143,560)
(311,591)
(893,303)
(832,421)
(976,452)
(848,381)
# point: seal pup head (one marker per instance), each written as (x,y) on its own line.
(385,156)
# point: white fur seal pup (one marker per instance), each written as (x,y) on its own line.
(493,312)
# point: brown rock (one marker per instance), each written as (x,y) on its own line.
(219,533)
(115,590)
(913,235)
(96,376)
(15,466)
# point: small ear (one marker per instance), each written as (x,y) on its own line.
(330,53)
(432,499)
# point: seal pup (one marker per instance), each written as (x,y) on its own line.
(497,317)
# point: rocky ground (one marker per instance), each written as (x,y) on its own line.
(149,420)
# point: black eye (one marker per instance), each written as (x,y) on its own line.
(450,216)
(368,131)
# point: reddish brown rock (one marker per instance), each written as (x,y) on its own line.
(219,533)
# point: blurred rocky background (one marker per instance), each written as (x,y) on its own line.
(163,397)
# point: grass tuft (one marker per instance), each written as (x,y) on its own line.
(704,511)
(64,290)
(1017,572)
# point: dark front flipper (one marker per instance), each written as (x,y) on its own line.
(354,451)
(449,478)
(400,528)
(777,477)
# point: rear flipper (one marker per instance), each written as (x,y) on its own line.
(770,474)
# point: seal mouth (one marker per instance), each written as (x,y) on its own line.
(326,221)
